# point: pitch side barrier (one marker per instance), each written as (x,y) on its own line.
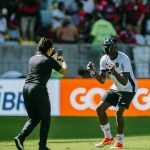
(72,97)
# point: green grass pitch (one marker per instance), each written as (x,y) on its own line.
(76,133)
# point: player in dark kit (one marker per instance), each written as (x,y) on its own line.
(117,65)
(35,92)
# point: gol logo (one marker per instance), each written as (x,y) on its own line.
(141,100)
(87,100)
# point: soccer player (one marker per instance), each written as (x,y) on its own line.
(117,65)
(35,92)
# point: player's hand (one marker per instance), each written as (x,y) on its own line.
(60,58)
(55,56)
(111,68)
(90,66)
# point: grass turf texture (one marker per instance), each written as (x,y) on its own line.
(76,133)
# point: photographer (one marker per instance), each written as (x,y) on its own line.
(35,92)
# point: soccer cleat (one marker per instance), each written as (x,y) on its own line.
(19,143)
(104,142)
(117,146)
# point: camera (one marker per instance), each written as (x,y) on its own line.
(60,51)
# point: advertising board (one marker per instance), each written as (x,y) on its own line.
(80,97)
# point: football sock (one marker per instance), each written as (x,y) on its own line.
(106,130)
(120,138)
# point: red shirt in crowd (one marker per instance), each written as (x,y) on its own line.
(133,12)
(127,37)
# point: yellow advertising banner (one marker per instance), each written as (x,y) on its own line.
(80,97)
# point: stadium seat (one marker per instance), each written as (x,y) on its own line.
(45,17)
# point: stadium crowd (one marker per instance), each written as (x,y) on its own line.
(68,21)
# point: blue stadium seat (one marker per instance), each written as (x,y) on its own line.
(45,17)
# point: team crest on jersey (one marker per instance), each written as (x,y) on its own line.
(117,65)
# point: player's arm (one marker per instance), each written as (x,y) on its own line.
(64,68)
(121,77)
(101,77)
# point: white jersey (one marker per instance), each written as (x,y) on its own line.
(122,64)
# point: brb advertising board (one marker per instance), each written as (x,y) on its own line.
(80,97)
(11,97)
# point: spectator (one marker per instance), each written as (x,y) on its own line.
(110,12)
(58,16)
(147,17)
(81,15)
(117,3)
(100,5)
(134,13)
(127,35)
(72,10)
(88,5)
(29,11)
(101,29)
(3,24)
(14,20)
(87,27)
(140,39)
(68,32)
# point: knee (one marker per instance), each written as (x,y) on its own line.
(100,110)
(45,123)
(46,119)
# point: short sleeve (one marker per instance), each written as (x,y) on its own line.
(126,64)
(103,64)
(55,64)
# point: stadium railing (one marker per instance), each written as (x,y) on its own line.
(15,57)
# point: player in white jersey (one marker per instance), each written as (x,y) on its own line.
(117,65)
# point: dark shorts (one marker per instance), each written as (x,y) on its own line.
(119,98)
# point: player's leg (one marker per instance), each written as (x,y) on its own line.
(124,102)
(108,100)
(43,104)
(120,120)
(103,119)
(31,123)
(34,118)
(101,113)
(120,127)
(104,124)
